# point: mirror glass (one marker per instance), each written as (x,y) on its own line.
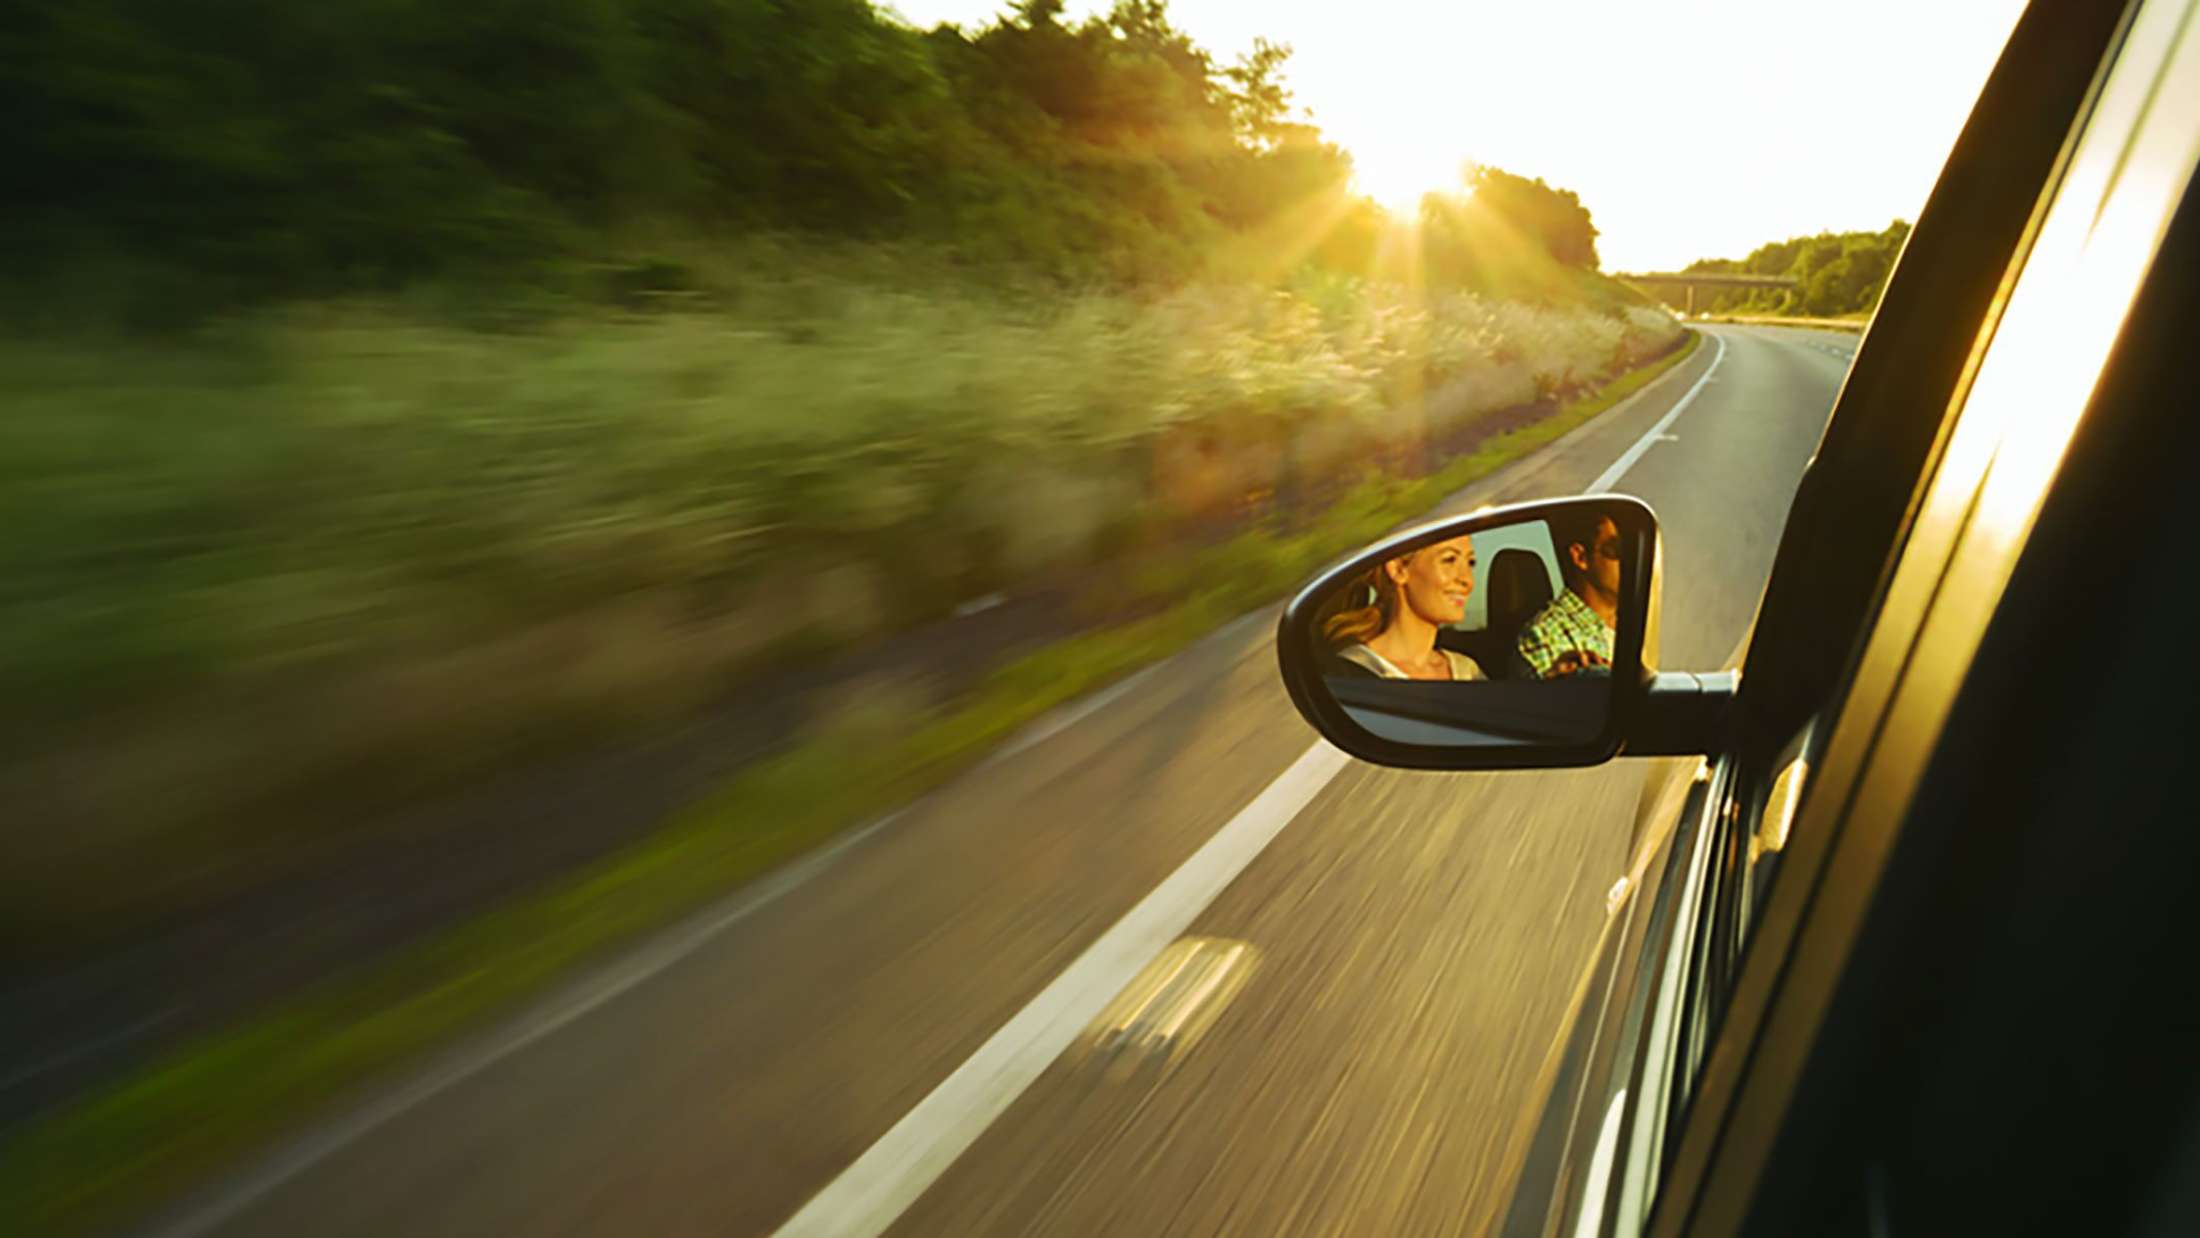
(1500,636)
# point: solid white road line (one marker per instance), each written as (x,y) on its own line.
(1062,719)
(1611,476)
(872,1193)
(87,1048)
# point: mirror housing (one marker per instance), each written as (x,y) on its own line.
(1515,720)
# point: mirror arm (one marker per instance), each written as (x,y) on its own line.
(1681,715)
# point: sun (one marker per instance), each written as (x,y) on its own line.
(1397,172)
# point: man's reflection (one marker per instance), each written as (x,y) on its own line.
(1574,632)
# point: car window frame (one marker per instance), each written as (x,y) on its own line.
(1907,660)
(1880,448)
(1858,499)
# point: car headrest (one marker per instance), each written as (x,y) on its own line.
(1519,586)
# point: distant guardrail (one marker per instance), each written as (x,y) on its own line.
(1852,325)
(1712,279)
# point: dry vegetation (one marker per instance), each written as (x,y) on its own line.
(337,542)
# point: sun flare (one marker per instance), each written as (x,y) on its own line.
(1396,174)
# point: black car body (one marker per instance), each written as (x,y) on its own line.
(1905,948)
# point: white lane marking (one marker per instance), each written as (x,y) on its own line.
(873,1192)
(232,1198)
(89,1047)
(979,604)
(1174,999)
(1611,476)
(1067,716)
(1618,892)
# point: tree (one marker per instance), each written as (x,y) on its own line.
(1553,217)
(1260,104)
(1835,273)
(358,143)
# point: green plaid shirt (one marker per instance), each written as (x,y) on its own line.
(1565,626)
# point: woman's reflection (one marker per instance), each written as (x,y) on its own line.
(1403,601)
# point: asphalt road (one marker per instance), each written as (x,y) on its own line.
(1384,974)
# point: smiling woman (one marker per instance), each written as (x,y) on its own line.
(1390,621)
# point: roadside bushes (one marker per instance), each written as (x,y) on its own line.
(334,481)
(340,541)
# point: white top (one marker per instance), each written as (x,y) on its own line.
(1462,666)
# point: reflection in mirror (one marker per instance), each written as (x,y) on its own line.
(1504,636)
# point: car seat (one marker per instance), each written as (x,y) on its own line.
(1517,585)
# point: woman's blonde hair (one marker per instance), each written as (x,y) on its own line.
(1358,625)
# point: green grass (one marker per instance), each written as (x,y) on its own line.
(106,1158)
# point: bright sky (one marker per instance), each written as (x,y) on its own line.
(1690,128)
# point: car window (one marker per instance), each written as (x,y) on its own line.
(1503,551)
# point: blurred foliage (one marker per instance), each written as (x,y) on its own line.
(214,150)
(834,272)
(399,386)
(1836,272)
(328,549)
(1502,218)
(316,483)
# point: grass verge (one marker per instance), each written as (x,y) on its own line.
(110,1156)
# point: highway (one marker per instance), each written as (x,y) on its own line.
(895,1037)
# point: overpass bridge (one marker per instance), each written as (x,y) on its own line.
(1690,281)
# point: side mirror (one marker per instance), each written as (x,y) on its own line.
(1508,638)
